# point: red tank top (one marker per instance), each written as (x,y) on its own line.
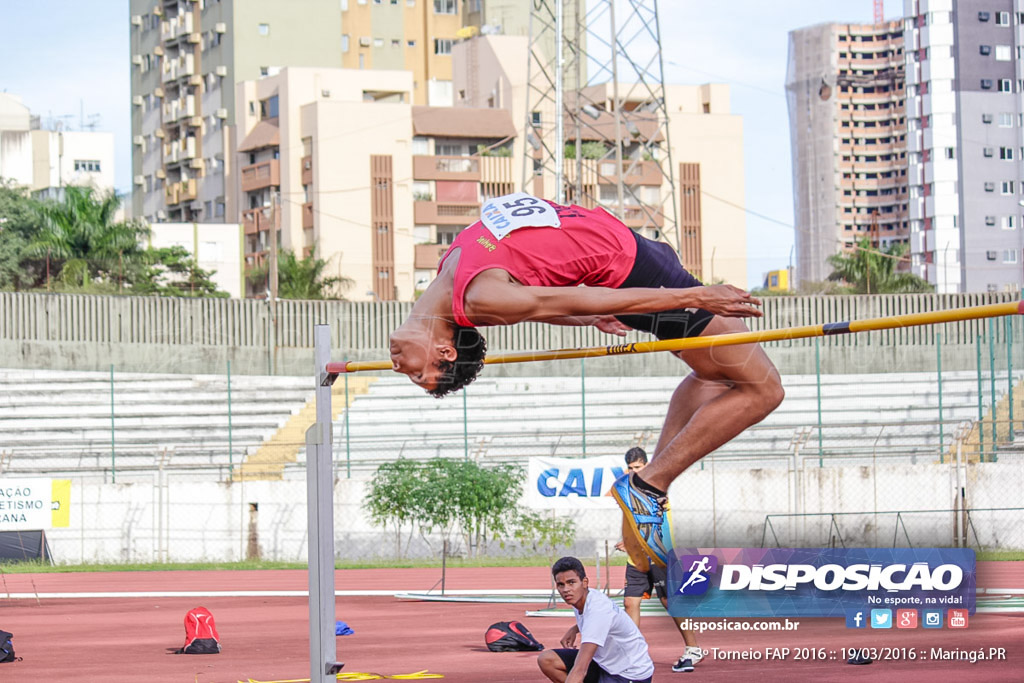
(590,248)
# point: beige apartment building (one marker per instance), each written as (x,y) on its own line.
(374,185)
(848,132)
(187,56)
(705,140)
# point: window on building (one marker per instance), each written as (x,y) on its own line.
(87,165)
(378,42)
(1005,120)
(269,107)
(396,42)
(1005,85)
(264,29)
(410,43)
(951,152)
(420,145)
(1006,187)
(1002,18)
(218,210)
(344,42)
(1008,222)
(214,39)
(264,71)
(1009,256)
(442,46)
(445,6)
(1003,53)
(1006,153)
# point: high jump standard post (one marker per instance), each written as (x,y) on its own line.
(323,649)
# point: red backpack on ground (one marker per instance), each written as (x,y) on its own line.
(200,633)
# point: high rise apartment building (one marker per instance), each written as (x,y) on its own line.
(186,57)
(352,172)
(846,95)
(410,35)
(965,119)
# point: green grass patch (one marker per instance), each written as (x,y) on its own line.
(1000,555)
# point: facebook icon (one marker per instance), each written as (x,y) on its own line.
(856,618)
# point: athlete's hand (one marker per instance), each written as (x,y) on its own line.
(571,638)
(610,324)
(728,301)
(620,546)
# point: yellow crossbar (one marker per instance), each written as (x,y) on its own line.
(333,369)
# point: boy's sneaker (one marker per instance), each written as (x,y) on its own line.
(683,665)
(693,653)
(645,528)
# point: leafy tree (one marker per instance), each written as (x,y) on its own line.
(873,271)
(19,220)
(446,496)
(392,497)
(80,238)
(589,150)
(300,278)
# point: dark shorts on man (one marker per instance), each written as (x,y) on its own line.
(657,265)
(595,674)
(645,584)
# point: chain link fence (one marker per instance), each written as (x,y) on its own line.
(173,468)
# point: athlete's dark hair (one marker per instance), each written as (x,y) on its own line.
(569,564)
(636,454)
(470,348)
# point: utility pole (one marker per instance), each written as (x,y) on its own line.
(274,198)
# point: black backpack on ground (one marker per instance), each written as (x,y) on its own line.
(510,636)
(7,647)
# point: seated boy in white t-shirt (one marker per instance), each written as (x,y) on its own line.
(611,647)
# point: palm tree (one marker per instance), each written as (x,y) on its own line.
(301,278)
(80,232)
(875,271)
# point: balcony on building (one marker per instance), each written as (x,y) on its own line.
(250,220)
(445,213)
(486,126)
(261,174)
(307,170)
(428,255)
(307,215)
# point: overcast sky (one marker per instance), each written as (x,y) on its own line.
(69,57)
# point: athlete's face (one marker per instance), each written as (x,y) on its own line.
(571,587)
(417,355)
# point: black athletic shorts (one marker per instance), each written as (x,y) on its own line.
(658,266)
(645,584)
(595,674)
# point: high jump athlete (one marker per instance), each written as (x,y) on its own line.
(526,260)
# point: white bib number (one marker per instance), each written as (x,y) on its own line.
(502,215)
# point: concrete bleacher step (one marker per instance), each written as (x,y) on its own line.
(283,447)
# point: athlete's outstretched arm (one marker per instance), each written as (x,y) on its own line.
(508,304)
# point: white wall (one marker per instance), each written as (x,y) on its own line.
(179,518)
(216,246)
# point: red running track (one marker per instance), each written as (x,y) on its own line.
(122,640)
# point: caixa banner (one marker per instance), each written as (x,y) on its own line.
(572,483)
(817,582)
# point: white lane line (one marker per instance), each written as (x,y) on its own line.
(107,595)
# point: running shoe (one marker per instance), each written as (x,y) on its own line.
(694,654)
(683,665)
(646,533)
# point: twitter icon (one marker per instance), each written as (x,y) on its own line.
(881,618)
